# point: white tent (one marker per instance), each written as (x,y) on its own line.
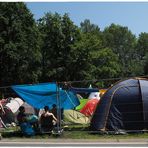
(94,95)
(14,104)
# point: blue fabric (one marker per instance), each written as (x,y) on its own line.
(124,106)
(144,93)
(83,90)
(27,129)
(32,119)
(40,95)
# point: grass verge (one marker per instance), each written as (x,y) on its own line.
(72,132)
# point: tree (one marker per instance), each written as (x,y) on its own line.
(81,69)
(122,42)
(106,64)
(88,27)
(142,45)
(142,52)
(19,45)
(58,36)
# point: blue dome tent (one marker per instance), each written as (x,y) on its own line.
(124,106)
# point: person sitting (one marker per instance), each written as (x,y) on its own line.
(57,112)
(21,117)
(46,120)
(54,110)
(25,126)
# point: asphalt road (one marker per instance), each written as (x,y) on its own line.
(73,143)
(115,144)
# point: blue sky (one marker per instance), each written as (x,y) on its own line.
(134,15)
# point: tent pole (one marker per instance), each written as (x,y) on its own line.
(58,108)
(3,123)
(59,114)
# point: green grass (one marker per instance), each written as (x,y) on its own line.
(72,132)
(76,135)
(87,135)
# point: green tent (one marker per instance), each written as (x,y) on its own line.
(74,116)
(82,103)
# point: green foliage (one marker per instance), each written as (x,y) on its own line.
(19,49)
(122,42)
(59,37)
(142,52)
(142,46)
(105,65)
(81,63)
(54,49)
(88,27)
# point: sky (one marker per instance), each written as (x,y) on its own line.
(133,15)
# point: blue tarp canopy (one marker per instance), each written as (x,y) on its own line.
(83,90)
(40,95)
